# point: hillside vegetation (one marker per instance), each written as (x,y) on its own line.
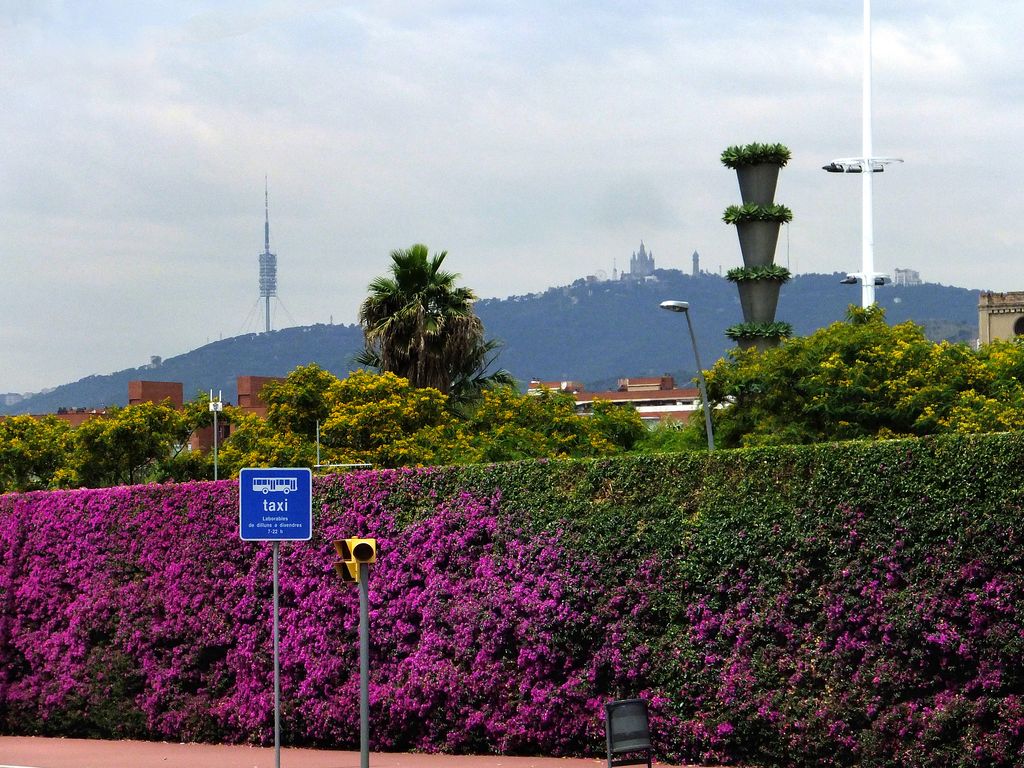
(594,332)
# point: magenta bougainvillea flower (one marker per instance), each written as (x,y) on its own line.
(835,640)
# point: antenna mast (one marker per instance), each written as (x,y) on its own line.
(268,260)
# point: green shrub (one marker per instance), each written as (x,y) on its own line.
(765,272)
(774,330)
(847,604)
(739,214)
(738,156)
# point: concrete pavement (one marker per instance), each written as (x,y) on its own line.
(35,752)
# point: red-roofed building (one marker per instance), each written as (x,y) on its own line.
(156,392)
(249,400)
(655,398)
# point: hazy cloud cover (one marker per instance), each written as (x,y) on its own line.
(536,143)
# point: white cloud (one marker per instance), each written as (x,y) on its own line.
(535,142)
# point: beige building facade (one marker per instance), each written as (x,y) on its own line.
(1000,315)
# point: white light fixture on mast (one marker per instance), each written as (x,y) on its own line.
(867,165)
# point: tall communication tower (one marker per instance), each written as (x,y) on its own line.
(268,261)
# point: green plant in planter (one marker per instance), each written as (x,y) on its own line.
(775,330)
(766,272)
(739,214)
(740,156)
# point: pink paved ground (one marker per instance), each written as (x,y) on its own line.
(31,752)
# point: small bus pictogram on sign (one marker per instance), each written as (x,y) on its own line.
(267,485)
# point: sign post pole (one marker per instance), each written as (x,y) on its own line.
(275,505)
(277,665)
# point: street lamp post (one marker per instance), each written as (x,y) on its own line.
(216,406)
(867,165)
(684,307)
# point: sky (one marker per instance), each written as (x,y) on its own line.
(535,142)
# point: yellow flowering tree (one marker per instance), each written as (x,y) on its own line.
(125,446)
(300,401)
(384,421)
(381,419)
(256,442)
(32,451)
(506,425)
(866,379)
(989,395)
(367,418)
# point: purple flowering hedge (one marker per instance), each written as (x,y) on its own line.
(845,605)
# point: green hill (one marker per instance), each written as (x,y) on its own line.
(596,332)
(590,331)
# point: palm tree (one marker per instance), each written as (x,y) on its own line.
(417,323)
(477,374)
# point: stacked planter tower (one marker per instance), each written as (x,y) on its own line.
(757,223)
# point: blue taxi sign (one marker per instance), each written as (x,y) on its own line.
(275,504)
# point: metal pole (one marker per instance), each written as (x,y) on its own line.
(215,445)
(277,670)
(702,383)
(364,666)
(867,204)
(215,406)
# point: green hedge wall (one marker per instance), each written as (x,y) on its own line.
(843,604)
(851,604)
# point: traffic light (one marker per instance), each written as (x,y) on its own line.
(363,550)
(353,552)
(347,570)
(341,547)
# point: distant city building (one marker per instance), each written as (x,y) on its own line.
(641,264)
(696,264)
(249,393)
(906,277)
(1000,315)
(656,398)
(75,417)
(571,387)
(156,392)
(250,400)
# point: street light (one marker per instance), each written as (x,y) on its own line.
(684,307)
(867,165)
(216,406)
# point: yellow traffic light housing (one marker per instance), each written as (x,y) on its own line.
(363,550)
(353,553)
(341,547)
(347,570)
